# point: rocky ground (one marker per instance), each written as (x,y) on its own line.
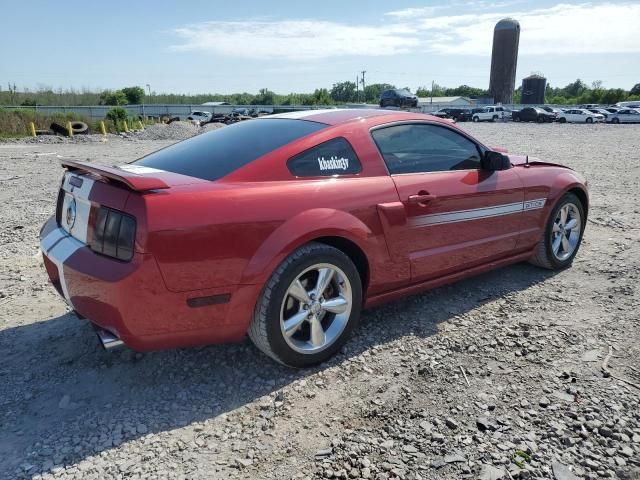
(520,373)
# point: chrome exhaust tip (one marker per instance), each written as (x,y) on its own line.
(107,339)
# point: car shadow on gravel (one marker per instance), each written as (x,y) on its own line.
(64,398)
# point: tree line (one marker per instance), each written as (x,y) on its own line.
(577,92)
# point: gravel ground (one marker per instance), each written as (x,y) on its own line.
(495,377)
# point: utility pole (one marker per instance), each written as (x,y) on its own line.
(357,88)
(433,83)
(363,85)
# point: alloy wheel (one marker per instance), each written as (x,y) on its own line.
(316,308)
(565,234)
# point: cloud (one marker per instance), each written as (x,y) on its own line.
(563,29)
(295,39)
(411,12)
(584,28)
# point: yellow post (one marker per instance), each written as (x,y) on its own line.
(103,129)
(140,125)
(33,129)
(126,127)
(69,129)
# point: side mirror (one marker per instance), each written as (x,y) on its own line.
(493,161)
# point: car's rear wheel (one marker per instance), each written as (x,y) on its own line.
(563,234)
(475,119)
(309,306)
(615,120)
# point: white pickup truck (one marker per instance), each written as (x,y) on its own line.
(489,114)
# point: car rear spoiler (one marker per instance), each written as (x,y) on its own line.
(133,181)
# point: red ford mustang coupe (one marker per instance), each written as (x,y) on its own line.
(286,226)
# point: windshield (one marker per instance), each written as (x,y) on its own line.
(213,155)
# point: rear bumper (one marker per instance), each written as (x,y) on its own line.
(130,299)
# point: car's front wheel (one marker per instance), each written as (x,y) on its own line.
(309,306)
(615,120)
(563,234)
(589,120)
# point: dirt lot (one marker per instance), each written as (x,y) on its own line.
(495,377)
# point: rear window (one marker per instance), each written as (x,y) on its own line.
(213,155)
(332,158)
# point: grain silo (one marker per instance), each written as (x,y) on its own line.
(533,88)
(504,59)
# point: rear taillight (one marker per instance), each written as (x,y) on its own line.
(114,234)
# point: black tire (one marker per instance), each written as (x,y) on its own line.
(79,128)
(173,119)
(59,129)
(615,120)
(589,120)
(562,120)
(540,119)
(475,119)
(265,329)
(494,118)
(544,256)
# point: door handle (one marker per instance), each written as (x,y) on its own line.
(421,198)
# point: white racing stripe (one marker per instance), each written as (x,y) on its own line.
(50,240)
(303,113)
(476,213)
(59,246)
(63,242)
(138,169)
(83,205)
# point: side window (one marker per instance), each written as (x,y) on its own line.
(335,157)
(418,148)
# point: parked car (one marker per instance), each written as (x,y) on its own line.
(588,106)
(625,115)
(602,111)
(200,116)
(533,114)
(580,115)
(629,104)
(398,98)
(285,227)
(457,114)
(489,114)
(555,110)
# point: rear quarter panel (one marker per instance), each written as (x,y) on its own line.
(238,233)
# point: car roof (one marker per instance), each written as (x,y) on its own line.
(340,116)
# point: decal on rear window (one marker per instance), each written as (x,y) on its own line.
(334,157)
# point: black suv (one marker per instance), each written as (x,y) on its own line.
(398,98)
(458,114)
